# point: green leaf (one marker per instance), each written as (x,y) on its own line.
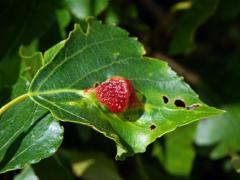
(106,51)
(235,161)
(28,132)
(55,168)
(223,131)
(31,60)
(63,19)
(84,8)
(26,174)
(27,137)
(52,52)
(158,152)
(179,149)
(192,19)
(182,5)
(112,17)
(92,165)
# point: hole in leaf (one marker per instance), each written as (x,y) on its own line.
(194,106)
(152,127)
(179,103)
(165,99)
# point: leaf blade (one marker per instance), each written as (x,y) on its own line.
(28,132)
(106,51)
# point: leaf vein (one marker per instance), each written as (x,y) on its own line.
(72,56)
(22,127)
(97,70)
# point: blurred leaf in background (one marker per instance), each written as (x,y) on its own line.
(92,165)
(192,19)
(223,131)
(27,174)
(84,8)
(177,154)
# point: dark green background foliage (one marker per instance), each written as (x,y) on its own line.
(200,40)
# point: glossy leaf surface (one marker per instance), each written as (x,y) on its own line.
(104,51)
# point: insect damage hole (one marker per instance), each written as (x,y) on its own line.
(152,127)
(180,103)
(165,99)
(192,107)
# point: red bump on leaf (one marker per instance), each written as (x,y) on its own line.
(117,94)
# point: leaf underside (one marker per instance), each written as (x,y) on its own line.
(102,52)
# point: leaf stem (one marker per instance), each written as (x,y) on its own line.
(13,102)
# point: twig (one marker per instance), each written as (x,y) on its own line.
(190,76)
